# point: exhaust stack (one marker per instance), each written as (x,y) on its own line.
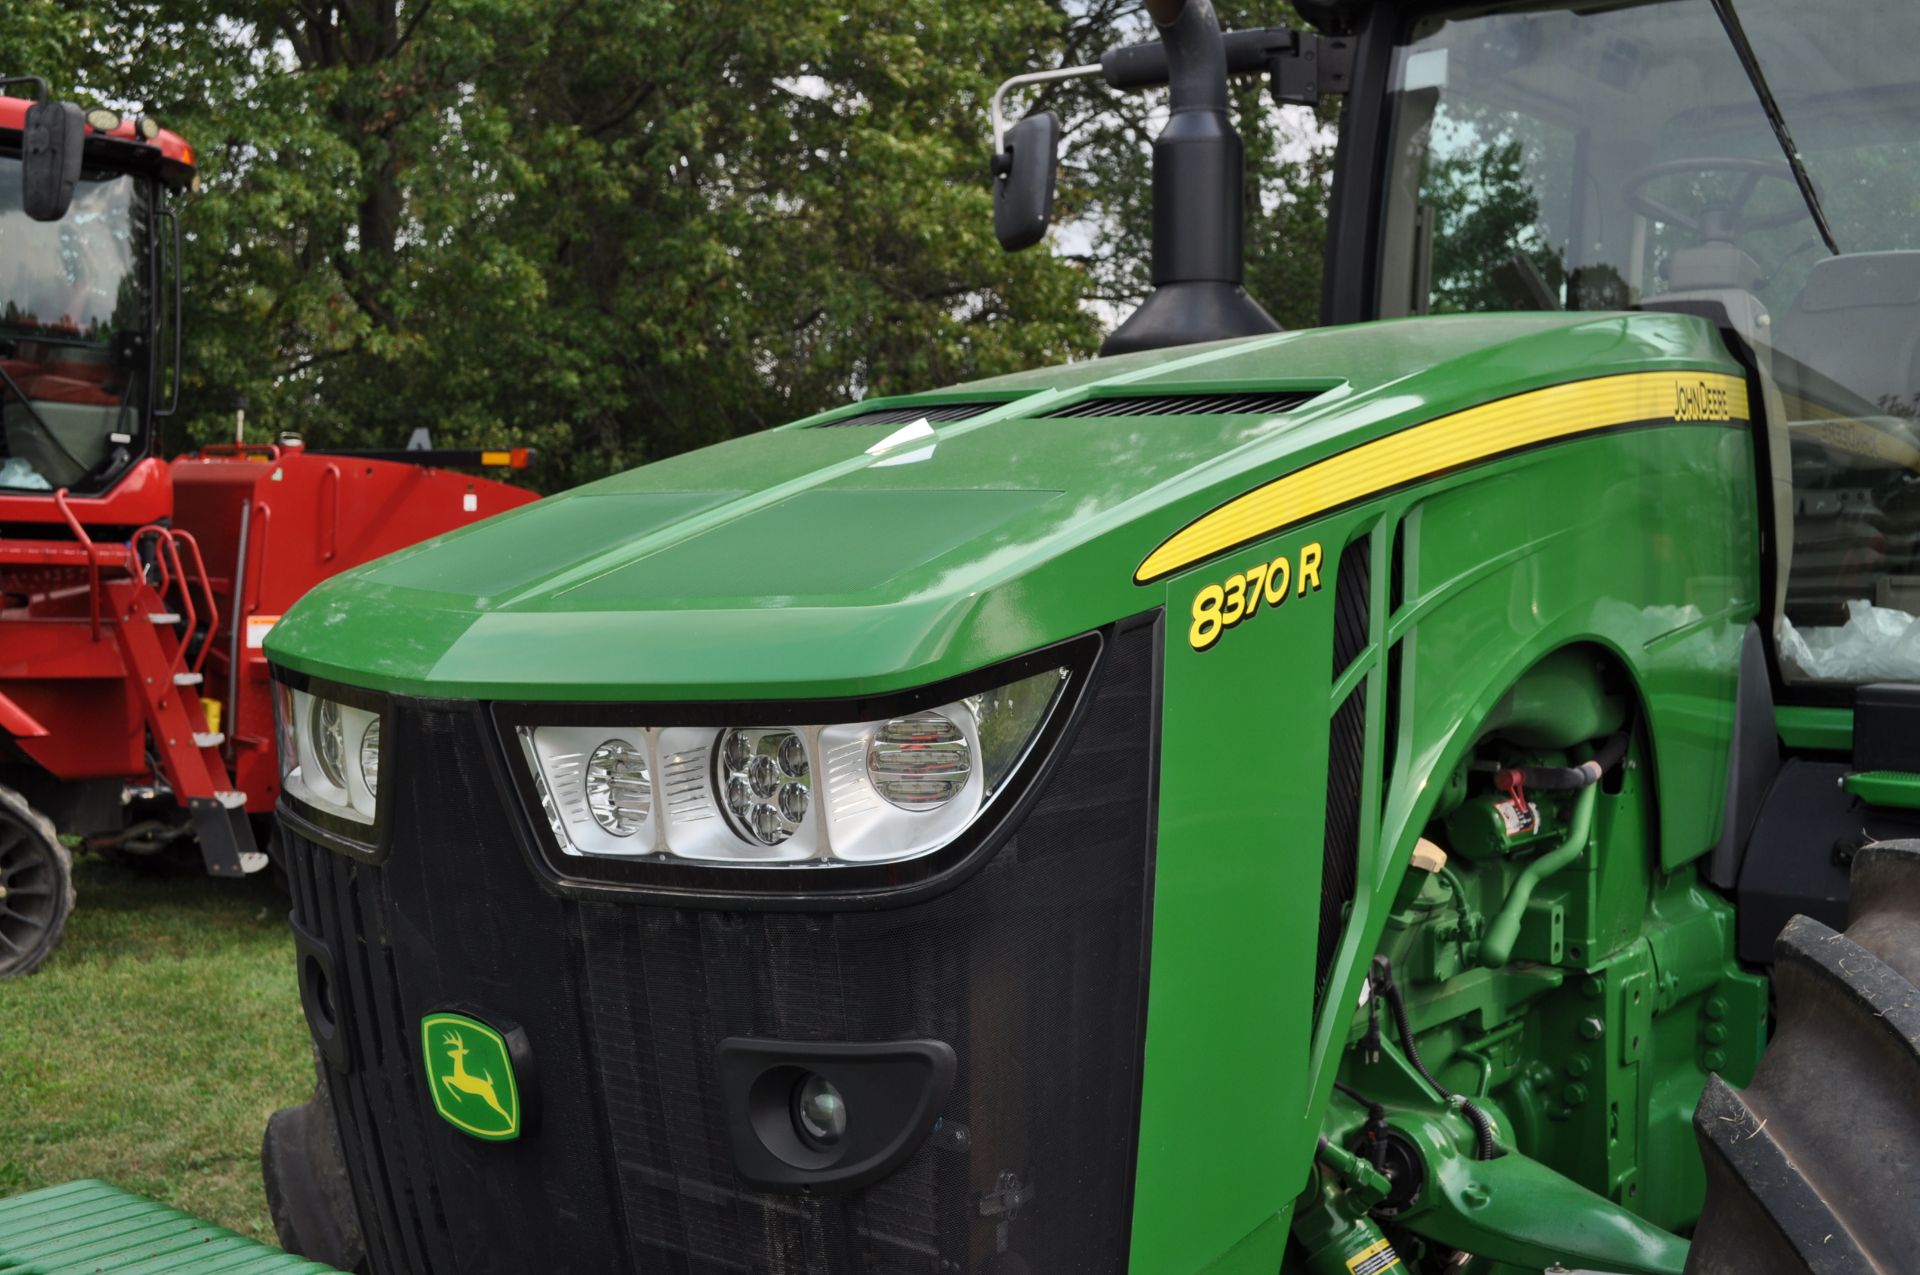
(1199,181)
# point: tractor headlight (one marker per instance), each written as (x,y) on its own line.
(330,751)
(797,793)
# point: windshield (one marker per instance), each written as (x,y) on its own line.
(1624,155)
(74,318)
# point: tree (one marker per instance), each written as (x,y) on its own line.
(614,229)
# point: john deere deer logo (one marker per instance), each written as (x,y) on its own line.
(471,1075)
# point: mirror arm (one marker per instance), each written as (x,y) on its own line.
(996,107)
(39,84)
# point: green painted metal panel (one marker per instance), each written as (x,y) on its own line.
(1503,564)
(94,1228)
(1820,729)
(432,621)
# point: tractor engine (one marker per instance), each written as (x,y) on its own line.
(1542,988)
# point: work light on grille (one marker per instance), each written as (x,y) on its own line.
(786,793)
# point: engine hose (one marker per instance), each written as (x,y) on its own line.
(1484,1148)
(1504,931)
(1574,778)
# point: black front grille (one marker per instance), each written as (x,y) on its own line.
(1033,969)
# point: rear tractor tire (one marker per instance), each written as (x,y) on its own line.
(36,886)
(1815,1166)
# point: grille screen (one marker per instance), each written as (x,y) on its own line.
(1346,754)
(1268,404)
(1033,969)
(930,412)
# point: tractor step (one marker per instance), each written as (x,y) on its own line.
(188,679)
(209,738)
(91,1228)
(226,837)
(163,617)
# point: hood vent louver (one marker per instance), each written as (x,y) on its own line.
(1263,404)
(933,413)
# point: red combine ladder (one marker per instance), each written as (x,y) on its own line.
(148,623)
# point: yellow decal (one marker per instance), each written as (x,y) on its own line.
(1446,443)
(1858,438)
(1375,1259)
(1219,607)
(1703,399)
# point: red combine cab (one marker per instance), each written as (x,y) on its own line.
(134,592)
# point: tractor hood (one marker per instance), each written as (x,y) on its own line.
(828,559)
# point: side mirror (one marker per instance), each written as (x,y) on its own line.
(55,134)
(1023,182)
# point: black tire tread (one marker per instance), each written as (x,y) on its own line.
(1815,1166)
(14,807)
(309,1195)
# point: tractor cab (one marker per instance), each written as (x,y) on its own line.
(1754,162)
(84,300)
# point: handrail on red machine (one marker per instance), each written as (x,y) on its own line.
(174,573)
(93,559)
(206,593)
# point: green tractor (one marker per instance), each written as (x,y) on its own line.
(1321,801)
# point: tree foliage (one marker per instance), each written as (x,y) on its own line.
(615,229)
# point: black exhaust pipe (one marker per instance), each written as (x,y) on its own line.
(1199,179)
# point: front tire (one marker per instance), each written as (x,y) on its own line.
(36,886)
(1815,1166)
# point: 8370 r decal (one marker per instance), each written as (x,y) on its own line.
(1219,607)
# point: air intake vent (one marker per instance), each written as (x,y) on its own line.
(1272,404)
(1346,757)
(933,412)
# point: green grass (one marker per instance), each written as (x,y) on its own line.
(150,1049)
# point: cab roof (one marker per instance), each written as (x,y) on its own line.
(169,153)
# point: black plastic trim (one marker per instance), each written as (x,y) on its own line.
(904,1083)
(1753,761)
(814,886)
(322,997)
(1350,287)
(1156,732)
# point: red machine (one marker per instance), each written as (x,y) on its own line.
(135,592)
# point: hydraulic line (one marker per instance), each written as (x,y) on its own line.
(1573,778)
(1382,975)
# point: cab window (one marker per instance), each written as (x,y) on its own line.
(1622,156)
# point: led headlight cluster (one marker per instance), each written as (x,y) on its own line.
(329,753)
(839,793)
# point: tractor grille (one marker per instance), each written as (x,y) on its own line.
(933,413)
(1346,754)
(1033,969)
(1273,403)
